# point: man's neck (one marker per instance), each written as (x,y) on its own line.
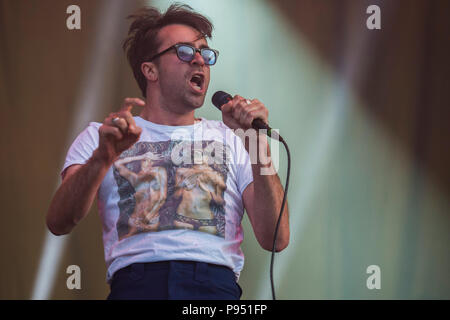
(158,114)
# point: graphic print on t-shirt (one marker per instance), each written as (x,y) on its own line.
(172,184)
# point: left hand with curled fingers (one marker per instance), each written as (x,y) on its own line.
(119,131)
(239,112)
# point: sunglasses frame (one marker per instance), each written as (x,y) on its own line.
(176,46)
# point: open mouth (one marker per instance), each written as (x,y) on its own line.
(197,81)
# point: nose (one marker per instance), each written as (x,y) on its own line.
(198,59)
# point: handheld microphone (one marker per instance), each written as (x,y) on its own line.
(220,98)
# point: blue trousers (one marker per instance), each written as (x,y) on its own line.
(177,280)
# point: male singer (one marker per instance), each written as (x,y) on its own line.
(171,188)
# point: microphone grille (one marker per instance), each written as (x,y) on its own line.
(220,98)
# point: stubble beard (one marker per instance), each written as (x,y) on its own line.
(181,99)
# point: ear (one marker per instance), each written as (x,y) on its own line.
(150,71)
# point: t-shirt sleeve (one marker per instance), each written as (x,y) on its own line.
(83,146)
(244,167)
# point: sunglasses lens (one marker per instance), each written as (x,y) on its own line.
(185,53)
(209,56)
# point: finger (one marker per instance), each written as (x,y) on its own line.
(236,113)
(120,123)
(136,131)
(239,108)
(128,117)
(259,114)
(129,103)
(112,119)
(227,107)
(109,132)
(237,98)
(249,114)
(262,112)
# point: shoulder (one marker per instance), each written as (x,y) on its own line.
(94,125)
(91,131)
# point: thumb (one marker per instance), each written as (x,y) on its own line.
(227,107)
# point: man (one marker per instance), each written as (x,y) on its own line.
(171,62)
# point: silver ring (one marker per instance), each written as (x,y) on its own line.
(248,101)
(116,119)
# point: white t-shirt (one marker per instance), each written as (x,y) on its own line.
(176,194)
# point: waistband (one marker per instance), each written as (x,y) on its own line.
(200,269)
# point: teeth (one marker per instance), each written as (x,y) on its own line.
(196,81)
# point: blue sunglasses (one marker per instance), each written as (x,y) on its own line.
(186,53)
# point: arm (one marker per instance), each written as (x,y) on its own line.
(262,200)
(75,196)
(263,197)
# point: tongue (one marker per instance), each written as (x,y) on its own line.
(195,84)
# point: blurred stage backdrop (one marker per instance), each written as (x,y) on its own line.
(365,113)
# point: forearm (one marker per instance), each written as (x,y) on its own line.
(75,196)
(268,198)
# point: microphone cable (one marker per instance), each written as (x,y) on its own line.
(280,215)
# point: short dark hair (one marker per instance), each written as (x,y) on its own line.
(142,41)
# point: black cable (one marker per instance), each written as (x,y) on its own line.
(279,217)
